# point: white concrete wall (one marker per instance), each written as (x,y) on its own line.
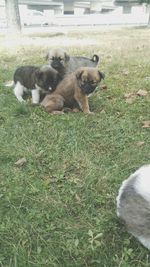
(137,17)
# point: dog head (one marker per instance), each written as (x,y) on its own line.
(58,59)
(47,78)
(88,79)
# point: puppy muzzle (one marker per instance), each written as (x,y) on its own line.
(87,88)
(56,64)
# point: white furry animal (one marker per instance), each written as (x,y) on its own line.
(133,204)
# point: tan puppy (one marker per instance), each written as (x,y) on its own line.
(60,60)
(74,89)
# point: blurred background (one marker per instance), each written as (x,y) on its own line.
(81,12)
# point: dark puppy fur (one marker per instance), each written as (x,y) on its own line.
(133,204)
(36,79)
(74,88)
(65,64)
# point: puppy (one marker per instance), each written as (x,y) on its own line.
(74,89)
(64,64)
(35,79)
(133,204)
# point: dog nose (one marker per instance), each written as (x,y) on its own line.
(55,64)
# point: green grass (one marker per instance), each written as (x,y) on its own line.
(58,209)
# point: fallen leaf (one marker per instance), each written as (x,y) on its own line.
(104,87)
(76,242)
(145,124)
(46,177)
(130,97)
(109,56)
(109,97)
(103,111)
(20,162)
(77,198)
(129,101)
(140,143)
(119,114)
(125,72)
(142,92)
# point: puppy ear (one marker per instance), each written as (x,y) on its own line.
(79,73)
(67,57)
(102,75)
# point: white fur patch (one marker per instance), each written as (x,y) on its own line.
(142,184)
(119,195)
(18,91)
(144,241)
(35,96)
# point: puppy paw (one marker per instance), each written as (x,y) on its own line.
(22,101)
(57,112)
(91,113)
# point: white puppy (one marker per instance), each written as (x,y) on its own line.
(133,204)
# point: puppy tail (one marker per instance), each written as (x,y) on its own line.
(9,83)
(142,183)
(95,58)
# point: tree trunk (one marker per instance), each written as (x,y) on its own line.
(148,24)
(13,16)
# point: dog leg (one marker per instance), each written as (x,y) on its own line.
(53,104)
(18,91)
(83,103)
(35,96)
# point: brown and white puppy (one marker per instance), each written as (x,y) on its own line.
(34,79)
(60,60)
(74,89)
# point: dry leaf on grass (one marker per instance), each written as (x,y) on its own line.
(140,143)
(142,92)
(104,87)
(20,162)
(103,111)
(145,124)
(130,97)
(125,72)
(130,100)
(109,97)
(119,114)
(77,198)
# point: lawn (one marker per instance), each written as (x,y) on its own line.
(58,209)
